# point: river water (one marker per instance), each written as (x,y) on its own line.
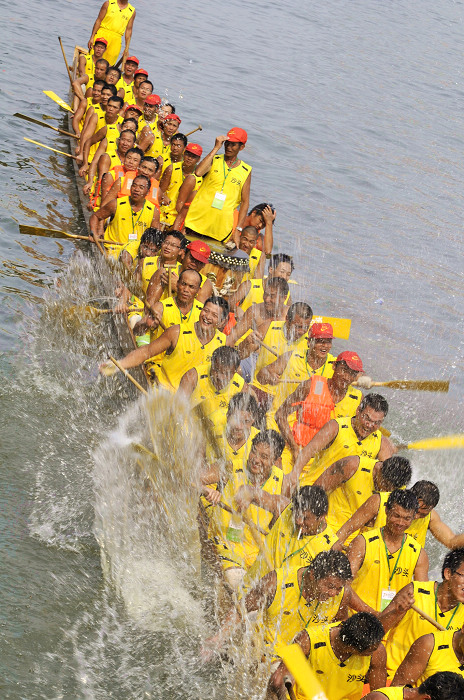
(355,122)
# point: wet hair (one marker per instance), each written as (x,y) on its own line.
(179,235)
(361,631)
(259,208)
(428,492)
(312,498)
(225,357)
(112,89)
(184,272)
(100,82)
(118,70)
(130,119)
(443,685)
(404,499)
(375,401)
(331,563)
(103,60)
(453,560)
(117,99)
(146,81)
(397,471)
(126,131)
(150,235)
(281,258)
(222,303)
(181,137)
(150,159)
(243,402)
(271,438)
(248,229)
(300,308)
(142,177)
(135,149)
(168,104)
(278,283)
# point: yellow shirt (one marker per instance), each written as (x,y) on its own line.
(127,87)
(150,265)
(112,28)
(442,657)
(418,528)
(392,693)
(206,394)
(168,213)
(276,339)
(127,225)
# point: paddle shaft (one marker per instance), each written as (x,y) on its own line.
(129,376)
(428,618)
(65,62)
(230,510)
(199,128)
(55,150)
(48,126)
(169,269)
(415,385)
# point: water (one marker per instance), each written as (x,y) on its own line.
(354,114)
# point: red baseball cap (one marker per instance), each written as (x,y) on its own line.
(101,41)
(141,71)
(134,59)
(237,135)
(172,116)
(199,250)
(352,359)
(194,148)
(134,107)
(321,330)
(153,100)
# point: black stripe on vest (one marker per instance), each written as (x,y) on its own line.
(289,585)
(203,376)
(363,469)
(318,645)
(372,539)
(276,478)
(413,547)
(237,471)
(422,590)
(352,396)
(443,646)
(236,384)
(187,332)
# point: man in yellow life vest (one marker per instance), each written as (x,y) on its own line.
(100,165)
(130,216)
(115,20)
(184,347)
(107,128)
(251,291)
(211,386)
(351,481)
(173,178)
(344,656)
(82,86)
(256,491)
(130,162)
(442,601)
(195,258)
(443,685)
(86,65)
(126,82)
(373,514)
(226,186)
(342,437)
(383,560)
(272,308)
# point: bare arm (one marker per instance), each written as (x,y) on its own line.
(146,138)
(271,373)
(356,553)
(238,296)
(188,383)
(101,214)
(415,662)
(164,184)
(113,191)
(421,572)
(243,209)
(205,292)
(97,24)
(365,513)
(338,473)
(387,449)
(268,241)
(443,533)
(205,164)
(242,326)
(322,439)
(166,341)
(377,674)
(128,36)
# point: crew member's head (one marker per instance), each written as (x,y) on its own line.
(151,106)
(149,241)
(172,245)
(443,685)
(166,109)
(130,124)
(99,47)
(97,90)
(140,75)
(400,510)
(225,361)
(134,112)
(281,265)
(320,339)
(113,106)
(452,572)
(242,412)
(394,473)
(197,255)
(428,495)
(170,124)
(149,167)
(178,144)
(145,89)
(248,238)
(346,369)
(108,91)
(188,286)
(101,66)
(310,506)
(131,65)
(371,412)
(255,216)
(266,448)
(275,294)
(328,574)
(113,75)
(361,633)
(139,188)
(125,142)
(214,313)
(132,158)
(298,319)
(192,154)
(236,140)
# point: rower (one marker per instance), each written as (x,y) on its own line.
(384,559)
(271,309)
(342,437)
(100,127)
(257,487)
(372,514)
(443,685)
(184,347)
(316,401)
(251,291)
(351,481)
(431,653)
(174,178)
(99,73)
(212,385)
(443,601)
(195,258)
(85,105)
(297,536)
(86,64)
(130,216)
(126,81)
(140,75)
(226,185)
(130,162)
(162,148)
(343,656)
(115,19)
(148,124)
(107,161)
(144,91)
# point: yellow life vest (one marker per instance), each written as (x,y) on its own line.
(377,573)
(206,394)
(112,28)
(340,681)
(285,549)
(418,528)
(127,87)
(345,444)
(345,500)
(89,65)
(275,338)
(442,657)
(156,148)
(112,135)
(392,693)
(412,626)
(290,612)
(126,225)
(242,554)
(188,353)
(150,265)
(169,212)
(254,258)
(202,217)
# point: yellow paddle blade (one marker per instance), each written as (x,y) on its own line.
(58,100)
(341,326)
(299,667)
(55,150)
(416,385)
(450,442)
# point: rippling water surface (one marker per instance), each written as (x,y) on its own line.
(355,122)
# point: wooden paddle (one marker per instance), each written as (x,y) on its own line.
(53,96)
(129,376)
(341,326)
(450,442)
(53,233)
(199,128)
(55,150)
(246,520)
(428,618)
(65,61)
(49,126)
(414,385)
(300,668)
